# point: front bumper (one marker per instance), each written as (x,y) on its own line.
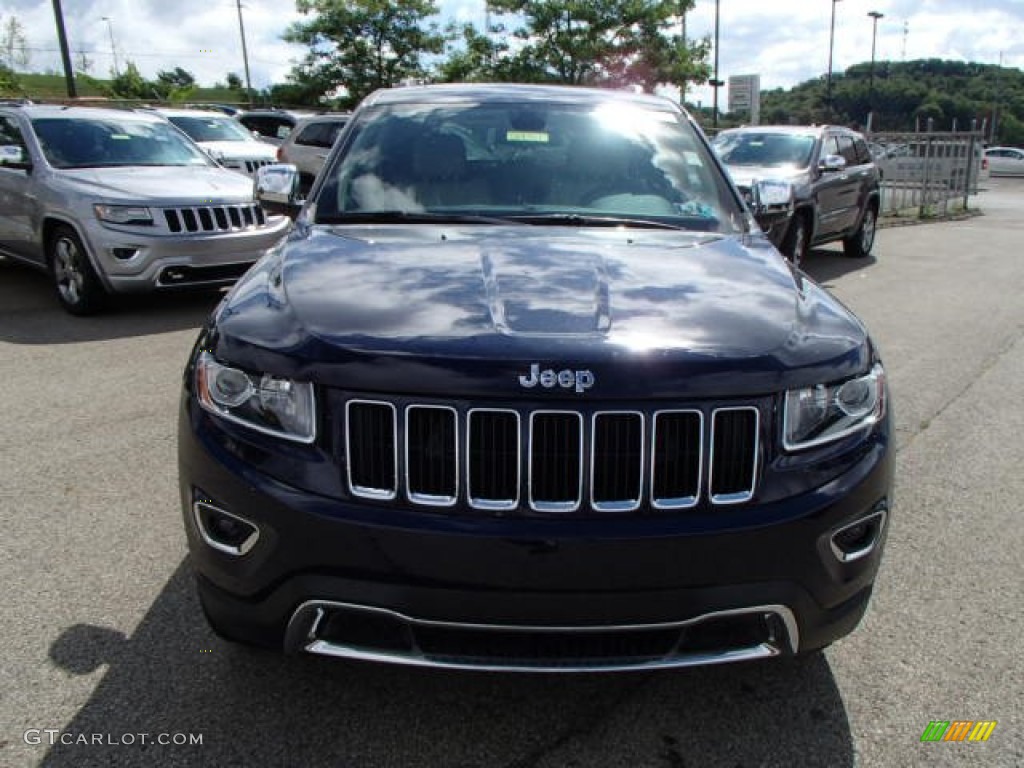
(344,578)
(166,261)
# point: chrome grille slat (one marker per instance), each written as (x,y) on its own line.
(616,461)
(431,455)
(627,458)
(734,436)
(493,451)
(556,461)
(371,449)
(677,459)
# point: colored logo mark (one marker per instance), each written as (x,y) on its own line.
(958,730)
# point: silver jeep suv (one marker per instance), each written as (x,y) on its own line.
(113,201)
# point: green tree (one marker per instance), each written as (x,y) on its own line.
(176,78)
(130,84)
(619,42)
(13,46)
(234,82)
(362,45)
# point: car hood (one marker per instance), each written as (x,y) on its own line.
(470,309)
(240,149)
(160,184)
(745,175)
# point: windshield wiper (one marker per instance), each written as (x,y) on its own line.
(580,220)
(410,217)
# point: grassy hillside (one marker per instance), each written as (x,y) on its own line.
(909,93)
(45,87)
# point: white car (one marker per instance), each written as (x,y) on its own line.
(309,143)
(1005,161)
(223,138)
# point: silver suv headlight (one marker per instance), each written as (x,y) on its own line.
(268,404)
(817,415)
(123,214)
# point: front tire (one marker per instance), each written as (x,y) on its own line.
(78,288)
(860,243)
(797,241)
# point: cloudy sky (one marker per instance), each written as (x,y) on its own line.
(785,41)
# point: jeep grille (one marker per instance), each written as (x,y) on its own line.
(214,218)
(555,461)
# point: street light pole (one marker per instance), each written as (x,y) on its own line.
(875,16)
(716,83)
(831,43)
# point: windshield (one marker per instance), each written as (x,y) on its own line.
(212,128)
(79,142)
(764,149)
(538,162)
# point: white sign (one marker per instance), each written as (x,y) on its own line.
(745,96)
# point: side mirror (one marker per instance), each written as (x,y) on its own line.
(832,163)
(277,187)
(14,156)
(771,196)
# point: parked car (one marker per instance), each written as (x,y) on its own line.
(1005,161)
(834,184)
(271,125)
(225,139)
(113,201)
(527,388)
(936,160)
(309,143)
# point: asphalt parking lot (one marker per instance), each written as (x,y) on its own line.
(103,637)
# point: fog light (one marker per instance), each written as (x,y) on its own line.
(224,531)
(124,254)
(858,539)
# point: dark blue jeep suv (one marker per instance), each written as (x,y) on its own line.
(526,388)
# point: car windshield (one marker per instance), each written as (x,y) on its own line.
(764,149)
(96,142)
(535,162)
(211,128)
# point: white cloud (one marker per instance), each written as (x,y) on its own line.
(785,41)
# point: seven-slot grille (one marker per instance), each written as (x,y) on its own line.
(214,218)
(607,460)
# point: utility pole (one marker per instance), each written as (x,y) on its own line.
(828,80)
(875,16)
(65,54)
(245,54)
(113,49)
(682,49)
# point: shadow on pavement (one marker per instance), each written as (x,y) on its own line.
(30,313)
(825,265)
(262,708)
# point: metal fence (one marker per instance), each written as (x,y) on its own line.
(927,174)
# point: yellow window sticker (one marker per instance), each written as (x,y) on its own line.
(537,137)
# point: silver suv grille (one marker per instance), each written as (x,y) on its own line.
(249,166)
(553,460)
(214,218)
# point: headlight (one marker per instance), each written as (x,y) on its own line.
(827,412)
(268,404)
(123,214)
